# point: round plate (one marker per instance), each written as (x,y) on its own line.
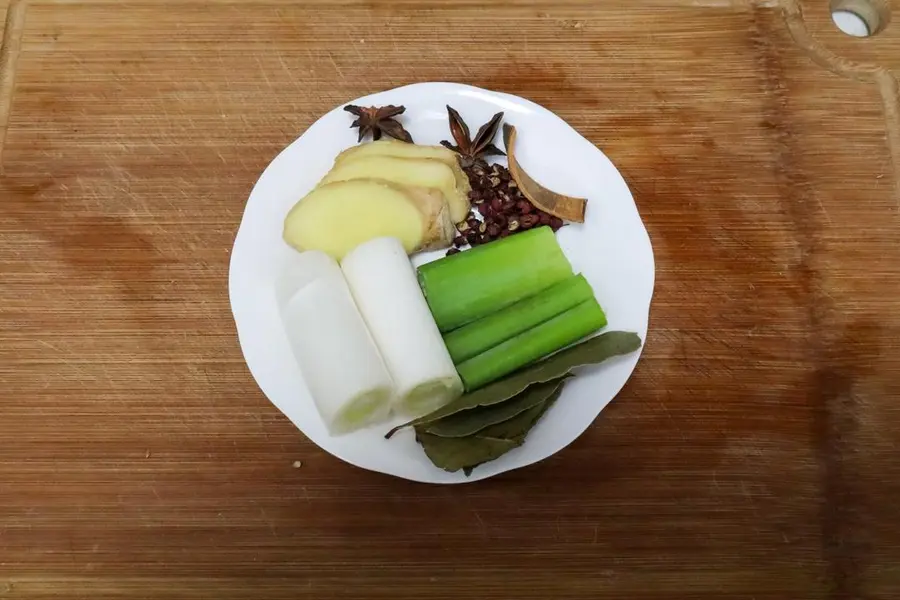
(611,249)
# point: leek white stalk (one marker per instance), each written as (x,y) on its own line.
(303,269)
(384,285)
(340,362)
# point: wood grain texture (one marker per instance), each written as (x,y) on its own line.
(753,455)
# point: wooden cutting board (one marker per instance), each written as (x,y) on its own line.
(753,455)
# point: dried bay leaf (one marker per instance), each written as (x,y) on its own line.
(466,453)
(521,425)
(453,454)
(472,421)
(594,350)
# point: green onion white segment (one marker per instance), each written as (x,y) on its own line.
(384,285)
(340,362)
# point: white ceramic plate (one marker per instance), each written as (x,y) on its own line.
(611,249)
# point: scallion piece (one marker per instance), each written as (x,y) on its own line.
(534,344)
(483,334)
(470,285)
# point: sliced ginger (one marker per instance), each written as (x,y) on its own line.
(459,200)
(337,217)
(417,172)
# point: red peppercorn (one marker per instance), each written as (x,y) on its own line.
(528,221)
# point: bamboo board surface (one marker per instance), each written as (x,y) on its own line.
(753,455)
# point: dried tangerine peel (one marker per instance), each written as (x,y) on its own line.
(558,205)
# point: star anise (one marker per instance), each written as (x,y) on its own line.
(379,120)
(472,150)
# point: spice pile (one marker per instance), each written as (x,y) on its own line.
(495,195)
(503,208)
(429,197)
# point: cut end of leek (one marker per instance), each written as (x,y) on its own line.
(429,396)
(366,409)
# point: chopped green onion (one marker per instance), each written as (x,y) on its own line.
(536,343)
(483,334)
(470,285)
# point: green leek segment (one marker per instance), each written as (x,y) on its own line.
(479,336)
(534,344)
(470,285)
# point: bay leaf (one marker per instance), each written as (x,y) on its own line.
(594,350)
(521,424)
(453,454)
(467,453)
(471,421)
